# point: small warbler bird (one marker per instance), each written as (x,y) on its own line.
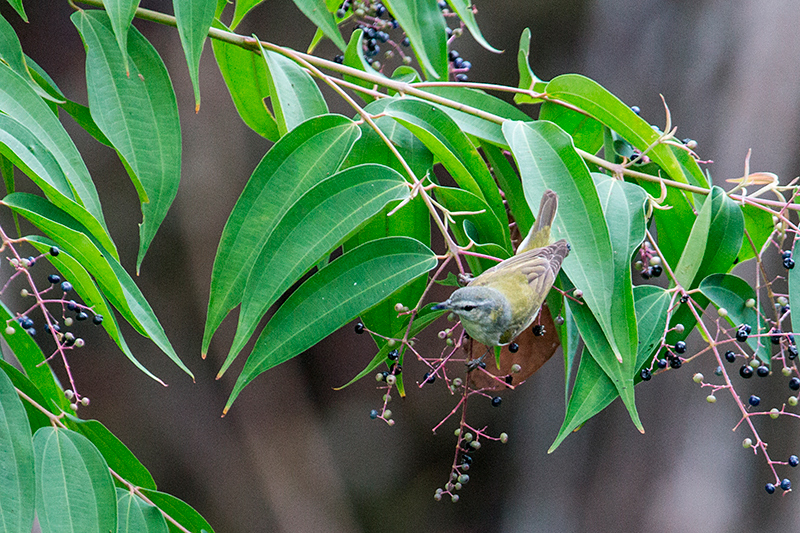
(504,300)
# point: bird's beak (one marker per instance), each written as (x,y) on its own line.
(443,305)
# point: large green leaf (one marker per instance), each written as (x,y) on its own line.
(19,101)
(73,271)
(316,224)
(245,75)
(32,361)
(138,114)
(11,54)
(425,26)
(17,5)
(546,159)
(593,390)
(138,516)
(758,224)
(354,58)
(318,13)
(511,185)
(527,79)
(120,13)
(22,147)
(586,132)
(464,10)
(731,292)
(301,159)
(117,455)
(332,297)
(36,418)
(179,510)
(114,281)
(450,145)
(295,96)
(18,486)
(194,19)
(74,490)
(599,103)
(471,124)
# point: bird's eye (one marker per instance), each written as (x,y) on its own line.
(469,307)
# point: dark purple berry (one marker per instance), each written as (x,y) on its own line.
(730,356)
(458,62)
(662,363)
(359,328)
(646,374)
(754,400)
(466,65)
(675,363)
(66,286)
(81,316)
(770,488)
(792,352)
(747,372)
(54,278)
(31,331)
(635,109)
(69,339)
(482,364)
(646,273)
(788,263)
(452,55)
(406,42)
(538,330)
(794,383)
(741,335)
(31,261)
(513,347)
(26,323)
(374,414)
(762,371)
(786,253)
(793,461)
(429,378)
(442,4)
(496,401)
(71,305)
(54,251)
(776,337)
(338,58)
(461,77)
(394,355)
(786,484)
(684,298)
(340,13)
(680,347)
(97,319)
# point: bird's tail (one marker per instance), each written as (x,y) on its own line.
(539,235)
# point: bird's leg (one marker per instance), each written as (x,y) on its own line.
(472,364)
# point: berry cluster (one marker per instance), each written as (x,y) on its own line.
(788,262)
(649,264)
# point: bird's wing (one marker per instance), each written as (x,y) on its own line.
(539,266)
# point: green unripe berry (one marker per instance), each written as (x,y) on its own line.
(782,300)
(437,496)
(475,445)
(515,369)
(786,371)
(391,379)
(449,342)
(747,443)
(73,406)
(407,60)
(68,394)
(577,293)
(390,422)
(457,432)
(24,293)
(638,265)
(504,437)
(391,343)
(451,317)
(750,303)
(454,498)
(68,321)
(698,378)
(792,401)
(463,479)
(722,312)
(774,413)
(387,398)
(458,485)
(755,363)
(10,330)
(387,414)
(398,307)
(680,328)
(655,260)
(711,398)
(379,376)
(468,437)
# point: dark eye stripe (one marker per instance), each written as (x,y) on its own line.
(469,307)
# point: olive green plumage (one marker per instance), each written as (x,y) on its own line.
(499,304)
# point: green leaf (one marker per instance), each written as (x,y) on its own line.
(194,19)
(316,224)
(120,14)
(731,292)
(25,151)
(511,185)
(295,96)
(527,79)
(117,455)
(180,511)
(245,75)
(354,57)
(425,26)
(72,270)
(17,5)
(471,124)
(18,487)
(242,8)
(301,159)
(138,114)
(332,297)
(19,101)
(593,390)
(586,132)
(113,280)
(318,13)
(451,146)
(74,490)
(547,159)
(83,116)
(138,516)
(11,54)
(36,418)
(758,224)
(31,359)
(591,97)
(464,10)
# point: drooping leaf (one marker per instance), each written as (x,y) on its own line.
(74,490)
(354,57)
(301,159)
(295,96)
(18,7)
(245,75)
(731,293)
(332,297)
(318,13)
(73,271)
(120,14)
(83,116)
(242,8)
(527,79)
(464,11)
(758,224)
(138,114)
(425,26)
(19,101)
(113,280)
(11,54)
(138,516)
(194,19)
(36,418)
(316,224)
(117,455)
(180,511)
(18,487)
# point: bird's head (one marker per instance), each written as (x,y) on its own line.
(484,312)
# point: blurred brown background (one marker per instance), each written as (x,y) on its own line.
(294,455)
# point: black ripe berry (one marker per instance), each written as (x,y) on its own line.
(646,374)
(429,378)
(635,109)
(54,278)
(513,347)
(776,337)
(786,253)
(66,286)
(770,488)
(684,298)
(482,364)
(452,55)
(680,347)
(741,335)
(71,305)
(788,263)
(656,270)
(662,363)
(339,58)
(54,251)
(754,400)
(496,401)
(792,352)
(730,356)
(393,355)
(675,363)
(538,330)
(762,371)
(794,383)
(786,484)
(359,329)
(406,42)
(461,77)
(81,316)
(747,372)
(793,461)
(97,319)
